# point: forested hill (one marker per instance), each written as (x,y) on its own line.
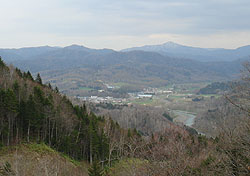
(135,67)
(33,112)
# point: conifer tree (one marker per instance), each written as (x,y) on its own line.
(10,101)
(49,85)
(19,72)
(31,113)
(16,89)
(103,146)
(2,64)
(57,90)
(29,76)
(39,79)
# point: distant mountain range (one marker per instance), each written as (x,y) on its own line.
(195,53)
(75,66)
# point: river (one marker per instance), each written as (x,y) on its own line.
(185,117)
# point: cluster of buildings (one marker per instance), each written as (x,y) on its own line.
(150,92)
(146,93)
(96,99)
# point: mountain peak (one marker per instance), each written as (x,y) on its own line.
(74,46)
(171,44)
(196,53)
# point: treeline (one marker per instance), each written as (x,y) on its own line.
(216,87)
(31,111)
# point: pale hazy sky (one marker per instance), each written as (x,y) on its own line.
(119,24)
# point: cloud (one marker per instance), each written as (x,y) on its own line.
(123,21)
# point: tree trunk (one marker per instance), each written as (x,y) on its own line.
(8,141)
(28,134)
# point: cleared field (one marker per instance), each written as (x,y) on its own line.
(85,88)
(145,101)
(120,84)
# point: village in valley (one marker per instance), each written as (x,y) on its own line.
(147,93)
(148,96)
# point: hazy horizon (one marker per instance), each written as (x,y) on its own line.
(118,49)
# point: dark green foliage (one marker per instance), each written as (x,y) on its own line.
(8,102)
(31,113)
(107,106)
(39,79)
(168,116)
(28,76)
(95,169)
(35,120)
(8,113)
(16,87)
(49,85)
(2,64)
(56,90)
(191,130)
(19,73)
(196,99)
(103,146)
(98,140)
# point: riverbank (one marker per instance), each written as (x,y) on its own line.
(184,117)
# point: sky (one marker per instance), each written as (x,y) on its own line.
(119,24)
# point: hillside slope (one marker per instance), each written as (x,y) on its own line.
(229,111)
(39,160)
(31,111)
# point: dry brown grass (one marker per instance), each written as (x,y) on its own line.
(40,160)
